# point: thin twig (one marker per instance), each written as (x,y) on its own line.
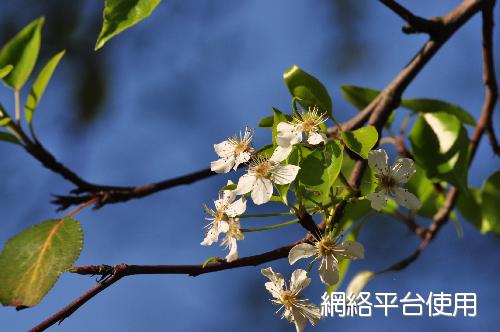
(415,24)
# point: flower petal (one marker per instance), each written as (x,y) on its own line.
(378,200)
(237,208)
(299,319)
(284,174)
(275,277)
(316,137)
(275,286)
(222,165)
(377,159)
(311,312)
(288,134)
(328,271)
(403,170)
(213,233)
(241,158)
(302,250)
(233,250)
(281,153)
(407,199)
(211,237)
(351,250)
(262,191)
(228,196)
(224,149)
(299,281)
(245,184)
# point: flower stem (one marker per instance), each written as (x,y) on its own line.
(294,107)
(257,229)
(264,215)
(17,103)
(344,181)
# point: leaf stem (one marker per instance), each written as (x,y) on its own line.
(265,228)
(264,215)
(295,109)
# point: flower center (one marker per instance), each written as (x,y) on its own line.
(308,125)
(288,299)
(241,146)
(326,246)
(387,182)
(220,215)
(261,167)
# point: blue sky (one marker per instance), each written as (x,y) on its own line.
(188,77)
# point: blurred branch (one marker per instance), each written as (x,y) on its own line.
(414,24)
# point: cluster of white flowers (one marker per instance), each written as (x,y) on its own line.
(223,220)
(262,174)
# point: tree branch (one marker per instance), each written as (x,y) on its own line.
(489,76)
(110,194)
(414,24)
(491,97)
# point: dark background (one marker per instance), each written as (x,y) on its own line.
(149,106)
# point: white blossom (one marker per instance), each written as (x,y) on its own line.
(226,208)
(232,235)
(389,181)
(232,152)
(290,133)
(297,309)
(329,251)
(261,175)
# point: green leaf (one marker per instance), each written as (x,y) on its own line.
(470,208)
(120,15)
(21,52)
(292,159)
(358,282)
(209,260)
(265,151)
(32,261)
(308,90)
(424,189)
(490,196)
(5,121)
(440,146)
(277,118)
(423,105)
(481,207)
(229,187)
(267,122)
(8,137)
(359,97)
(5,70)
(361,140)
(40,84)
(320,169)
